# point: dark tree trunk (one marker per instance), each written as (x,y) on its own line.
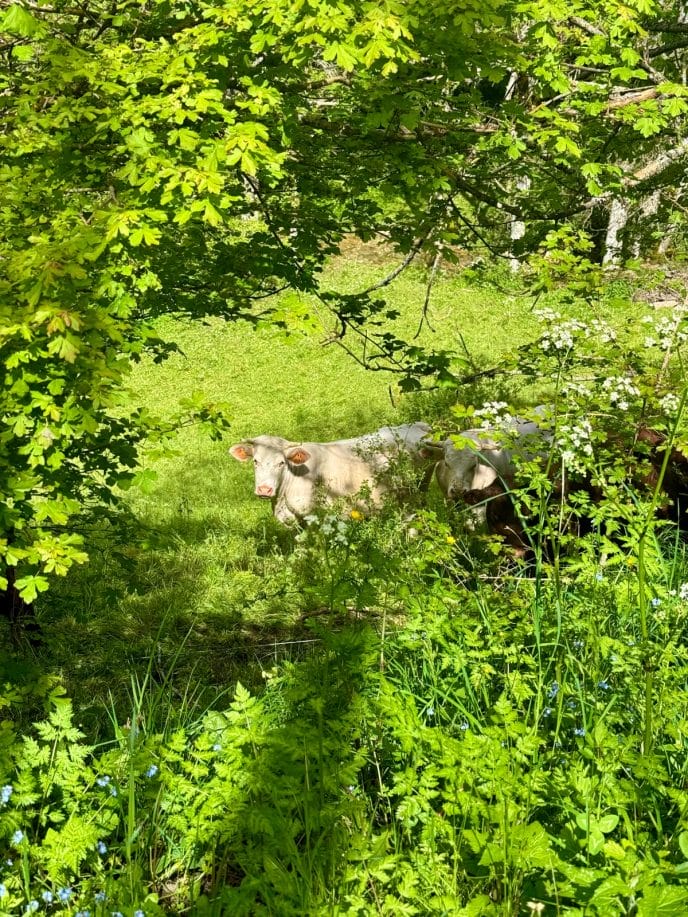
(20,614)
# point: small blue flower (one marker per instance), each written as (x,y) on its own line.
(463,726)
(603,685)
(599,576)
(101,847)
(5,794)
(152,770)
(100,897)
(113,790)
(139,914)
(430,712)
(64,894)
(103,781)
(117,914)
(32,906)
(3,891)
(47,897)
(655,602)
(553,690)
(9,862)
(83,914)
(579,731)
(217,747)
(17,837)
(547,711)
(578,644)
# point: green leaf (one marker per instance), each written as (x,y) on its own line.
(19,21)
(69,846)
(607,823)
(663,901)
(683,843)
(28,587)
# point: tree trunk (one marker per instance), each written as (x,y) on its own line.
(613,243)
(518,227)
(19,614)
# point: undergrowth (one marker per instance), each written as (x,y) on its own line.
(371,716)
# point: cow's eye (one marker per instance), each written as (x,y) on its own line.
(282,463)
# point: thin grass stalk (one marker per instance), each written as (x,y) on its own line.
(648,731)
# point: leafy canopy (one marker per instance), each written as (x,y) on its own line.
(197,157)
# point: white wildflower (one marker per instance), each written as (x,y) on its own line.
(575,442)
(669,403)
(494,414)
(574,387)
(619,389)
(546,315)
(602,331)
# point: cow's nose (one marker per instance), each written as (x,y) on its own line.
(264,490)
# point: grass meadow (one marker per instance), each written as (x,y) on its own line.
(348,720)
(201,552)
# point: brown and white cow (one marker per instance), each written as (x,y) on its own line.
(296,476)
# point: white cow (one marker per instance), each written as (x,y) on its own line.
(294,475)
(478,459)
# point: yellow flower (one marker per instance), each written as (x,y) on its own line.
(356,515)
(451,539)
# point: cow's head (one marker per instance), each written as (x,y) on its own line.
(272,458)
(470,464)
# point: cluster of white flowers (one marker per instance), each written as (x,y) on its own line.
(562,336)
(619,389)
(575,442)
(669,403)
(332,527)
(578,388)
(547,315)
(666,332)
(602,331)
(494,414)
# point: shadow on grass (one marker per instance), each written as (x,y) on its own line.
(193,583)
(201,598)
(279,829)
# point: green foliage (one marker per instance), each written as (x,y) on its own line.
(239,142)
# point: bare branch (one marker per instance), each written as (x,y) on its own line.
(658,165)
(397,270)
(467,223)
(426,304)
(631,96)
(667,49)
(588,27)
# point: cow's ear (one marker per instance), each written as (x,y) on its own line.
(431,451)
(297,455)
(242,451)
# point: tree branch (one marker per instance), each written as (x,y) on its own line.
(397,270)
(662,162)
(426,304)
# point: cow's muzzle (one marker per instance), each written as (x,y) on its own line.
(264,490)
